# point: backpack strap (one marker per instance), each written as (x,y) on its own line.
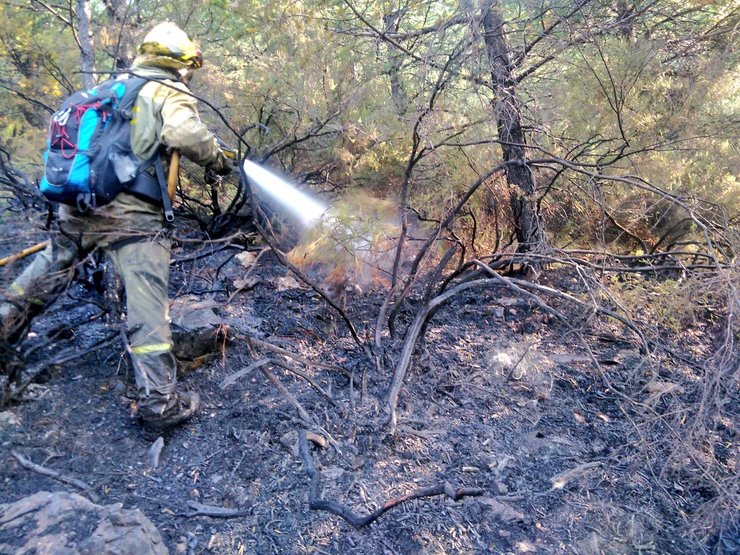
(166,202)
(152,188)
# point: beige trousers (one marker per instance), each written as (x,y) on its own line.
(130,231)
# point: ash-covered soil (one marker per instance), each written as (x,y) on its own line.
(500,397)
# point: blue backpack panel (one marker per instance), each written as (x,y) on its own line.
(88,158)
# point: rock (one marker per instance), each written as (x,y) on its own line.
(9,420)
(246,259)
(68,524)
(196,329)
(501,510)
(332,473)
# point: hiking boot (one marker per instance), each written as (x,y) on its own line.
(11,322)
(179,409)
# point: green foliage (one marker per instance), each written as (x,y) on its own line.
(654,97)
(667,305)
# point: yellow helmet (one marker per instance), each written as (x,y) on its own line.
(166,45)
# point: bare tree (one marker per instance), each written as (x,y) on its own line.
(85,40)
(124,18)
(529,229)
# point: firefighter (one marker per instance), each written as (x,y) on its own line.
(131,229)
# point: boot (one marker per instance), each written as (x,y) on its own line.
(11,322)
(178,409)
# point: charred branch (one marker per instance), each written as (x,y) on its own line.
(315,502)
(30,465)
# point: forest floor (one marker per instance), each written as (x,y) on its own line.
(499,397)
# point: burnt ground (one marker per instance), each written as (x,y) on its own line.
(566,464)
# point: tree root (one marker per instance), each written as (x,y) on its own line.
(30,465)
(358,521)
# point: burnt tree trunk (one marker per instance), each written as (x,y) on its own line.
(529,230)
(391,23)
(84,37)
(124,17)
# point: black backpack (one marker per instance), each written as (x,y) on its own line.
(88,158)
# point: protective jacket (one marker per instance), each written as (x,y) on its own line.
(166,114)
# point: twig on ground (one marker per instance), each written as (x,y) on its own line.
(200,509)
(231,379)
(67,356)
(315,503)
(269,346)
(306,377)
(559,481)
(30,465)
(289,397)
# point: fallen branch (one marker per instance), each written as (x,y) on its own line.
(214,511)
(317,504)
(30,465)
(231,379)
(24,253)
(290,354)
(289,397)
(66,357)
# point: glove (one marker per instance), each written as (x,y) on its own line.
(220,166)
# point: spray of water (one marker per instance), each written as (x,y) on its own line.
(343,247)
(304,208)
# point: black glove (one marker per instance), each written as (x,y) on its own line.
(220,166)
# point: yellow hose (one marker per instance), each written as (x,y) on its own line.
(24,253)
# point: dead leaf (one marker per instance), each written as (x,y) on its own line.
(501,510)
(317,439)
(659,388)
(287,282)
(246,283)
(559,481)
(579,418)
(246,259)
